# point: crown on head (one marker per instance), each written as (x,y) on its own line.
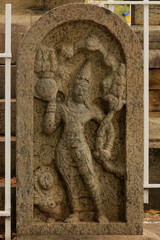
(84,77)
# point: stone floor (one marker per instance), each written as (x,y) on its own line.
(153,227)
(152,221)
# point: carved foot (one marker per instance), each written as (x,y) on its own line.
(73,218)
(103,219)
(120,172)
(51,220)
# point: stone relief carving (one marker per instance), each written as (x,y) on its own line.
(66,175)
(49,196)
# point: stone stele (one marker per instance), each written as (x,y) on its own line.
(79,127)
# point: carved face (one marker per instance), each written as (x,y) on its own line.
(80,93)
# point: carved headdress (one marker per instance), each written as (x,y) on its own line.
(84,77)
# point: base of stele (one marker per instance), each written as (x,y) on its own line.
(147,235)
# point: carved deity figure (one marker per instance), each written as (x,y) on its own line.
(72,151)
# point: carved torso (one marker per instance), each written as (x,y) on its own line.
(74,118)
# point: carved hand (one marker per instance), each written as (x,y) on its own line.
(113,102)
(120,172)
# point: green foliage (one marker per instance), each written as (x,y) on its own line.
(120,9)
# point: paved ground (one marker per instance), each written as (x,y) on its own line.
(153,227)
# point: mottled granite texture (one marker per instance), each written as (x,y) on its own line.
(70,50)
(49,4)
(154,15)
(148,235)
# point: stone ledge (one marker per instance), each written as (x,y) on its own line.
(137,14)
(154,59)
(154,126)
(154,35)
(21,5)
(154,144)
(154,32)
(154,100)
(146,236)
(154,79)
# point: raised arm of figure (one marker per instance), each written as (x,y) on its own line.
(52,118)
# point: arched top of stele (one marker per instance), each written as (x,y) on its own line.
(73,13)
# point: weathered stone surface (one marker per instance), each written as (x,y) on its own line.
(148,235)
(154,35)
(153,228)
(154,32)
(154,14)
(21,4)
(49,4)
(77,169)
